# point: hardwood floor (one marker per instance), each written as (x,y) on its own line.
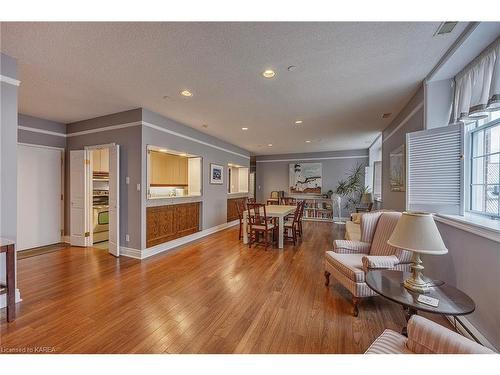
(210,296)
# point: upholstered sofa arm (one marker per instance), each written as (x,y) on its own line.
(379,262)
(351,247)
(427,337)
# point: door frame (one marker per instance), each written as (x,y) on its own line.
(90,213)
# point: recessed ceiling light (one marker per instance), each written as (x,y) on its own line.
(270,145)
(387,115)
(291,68)
(298,122)
(205,126)
(244,128)
(166,97)
(186,93)
(308,141)
(268,73)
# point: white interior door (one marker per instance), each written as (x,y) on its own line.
(39,218)
(114,200)
(79,202)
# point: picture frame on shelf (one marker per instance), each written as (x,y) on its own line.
(216,174)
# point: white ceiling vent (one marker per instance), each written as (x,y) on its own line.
(445,28)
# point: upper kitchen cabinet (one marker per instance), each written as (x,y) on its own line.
(168,169)
(173,174)
(100,160)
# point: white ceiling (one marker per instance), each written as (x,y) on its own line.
(347,75)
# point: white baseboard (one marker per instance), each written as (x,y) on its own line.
(3,299)
(150,251)
(478,335)
(130,252)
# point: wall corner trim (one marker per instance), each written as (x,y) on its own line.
(150,251)
(10,80)
(404,121)
(42,131)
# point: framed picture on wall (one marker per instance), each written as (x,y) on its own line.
(397,170)
(216,174)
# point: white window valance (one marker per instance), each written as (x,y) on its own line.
(477,87)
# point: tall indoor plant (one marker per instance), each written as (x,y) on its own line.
(352,187)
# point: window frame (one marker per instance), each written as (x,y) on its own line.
(470,166)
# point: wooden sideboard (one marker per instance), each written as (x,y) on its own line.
(232,212)
(166,223)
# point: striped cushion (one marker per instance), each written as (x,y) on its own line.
(379,262)
(386,224)
(368,225)
(389,342)
(350,247)
(404,256)
(427,337)
(348,264)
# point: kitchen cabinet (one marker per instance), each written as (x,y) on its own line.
(100,160)
(168,169)
(166,223)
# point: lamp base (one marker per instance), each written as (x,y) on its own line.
(416,285)
(416,282)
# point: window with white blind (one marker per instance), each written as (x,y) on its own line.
(484,194)
(435,170)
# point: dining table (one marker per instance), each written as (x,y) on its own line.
(278,211)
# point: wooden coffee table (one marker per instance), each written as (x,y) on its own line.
(389,284)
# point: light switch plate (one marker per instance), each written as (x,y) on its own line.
(127,180)
(138,187)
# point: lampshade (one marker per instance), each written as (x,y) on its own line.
(367,198)
(417,231)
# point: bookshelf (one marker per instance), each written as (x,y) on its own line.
(317,209)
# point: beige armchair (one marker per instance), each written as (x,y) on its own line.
(425,337)
(349,260)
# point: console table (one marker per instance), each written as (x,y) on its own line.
(389,284)
(8,247)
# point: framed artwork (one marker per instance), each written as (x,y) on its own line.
(305,178)
(216,174)
(397,169)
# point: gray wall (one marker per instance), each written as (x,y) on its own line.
(8,155)
(214,198)
(397,200)
(129,139)
(274,175)
(36,138)
(472,261)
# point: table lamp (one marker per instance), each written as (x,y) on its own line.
(417,232)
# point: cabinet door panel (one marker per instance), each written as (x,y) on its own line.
(187,216)
(160,225)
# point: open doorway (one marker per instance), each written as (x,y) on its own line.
(100,197)
(94,196)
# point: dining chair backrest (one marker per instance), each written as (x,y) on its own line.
(275,194)
(250,200)
(257,214)
(296,213)
(288,201)
(273,202)
(300,207)
(240,208)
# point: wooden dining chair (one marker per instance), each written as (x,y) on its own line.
(271,202)
(288,201)
(301,206)
(260,224)
(240,208)
(292,226)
